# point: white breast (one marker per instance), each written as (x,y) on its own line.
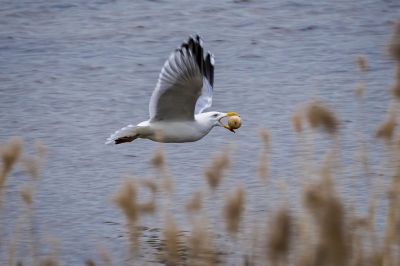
(176,132)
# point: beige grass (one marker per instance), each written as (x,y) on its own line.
(326,231)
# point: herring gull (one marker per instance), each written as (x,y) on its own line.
(183,91)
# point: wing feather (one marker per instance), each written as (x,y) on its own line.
(184,86)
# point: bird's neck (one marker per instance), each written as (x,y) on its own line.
(204,123)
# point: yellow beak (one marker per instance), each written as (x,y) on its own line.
(232,114)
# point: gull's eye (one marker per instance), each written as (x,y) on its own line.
(214,115)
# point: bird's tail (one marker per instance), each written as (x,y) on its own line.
(125,134)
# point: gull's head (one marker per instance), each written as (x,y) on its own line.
(215,119)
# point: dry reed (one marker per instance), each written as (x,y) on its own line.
(195,203)
(172,240)
(360,89)
(278,242)
(328,213)
(200,244)
(394,44)
(10,154)
(297,122)
(263,161)
(126,200)
(159,162)
(215,172)
(27,195)
(362,63)
(233,209)
(329,231)
(394,51)
(387,128)
(320,116)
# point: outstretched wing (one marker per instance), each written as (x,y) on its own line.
(205,99)
(182,82)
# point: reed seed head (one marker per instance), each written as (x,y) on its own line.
(360,89)
(328,213)
(89,262)
(126,200)
(10,154)
(264,136)
(158,160)
(362,63)
(233,209)
(195,203)
(201,249)
(279,238)
(32,166)
(149,207)
(394,45)
(215,172)
(263,164)
(150,184)
(396,86)
(49,261)
(297,122)
(396,89)
(27,195)
(320,116)
(387,128)
(172,240)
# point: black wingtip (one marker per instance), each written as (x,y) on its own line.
(125,139)
(206,65)
(198,38)
(209,69)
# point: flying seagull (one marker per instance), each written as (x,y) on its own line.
(183,91)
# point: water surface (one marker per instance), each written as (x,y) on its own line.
(72,72)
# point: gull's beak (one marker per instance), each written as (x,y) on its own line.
(227,115)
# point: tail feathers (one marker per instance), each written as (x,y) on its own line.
(125,134)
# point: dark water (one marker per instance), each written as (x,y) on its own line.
(72,72)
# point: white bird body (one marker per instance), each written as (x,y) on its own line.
(184,90)
(170,132)
(178,131)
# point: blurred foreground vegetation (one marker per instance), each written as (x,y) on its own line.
(327,232)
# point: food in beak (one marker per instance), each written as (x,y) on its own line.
(234,122)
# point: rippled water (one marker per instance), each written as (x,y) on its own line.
(72,72)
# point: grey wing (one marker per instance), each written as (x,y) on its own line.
(180,84)
(205,100)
